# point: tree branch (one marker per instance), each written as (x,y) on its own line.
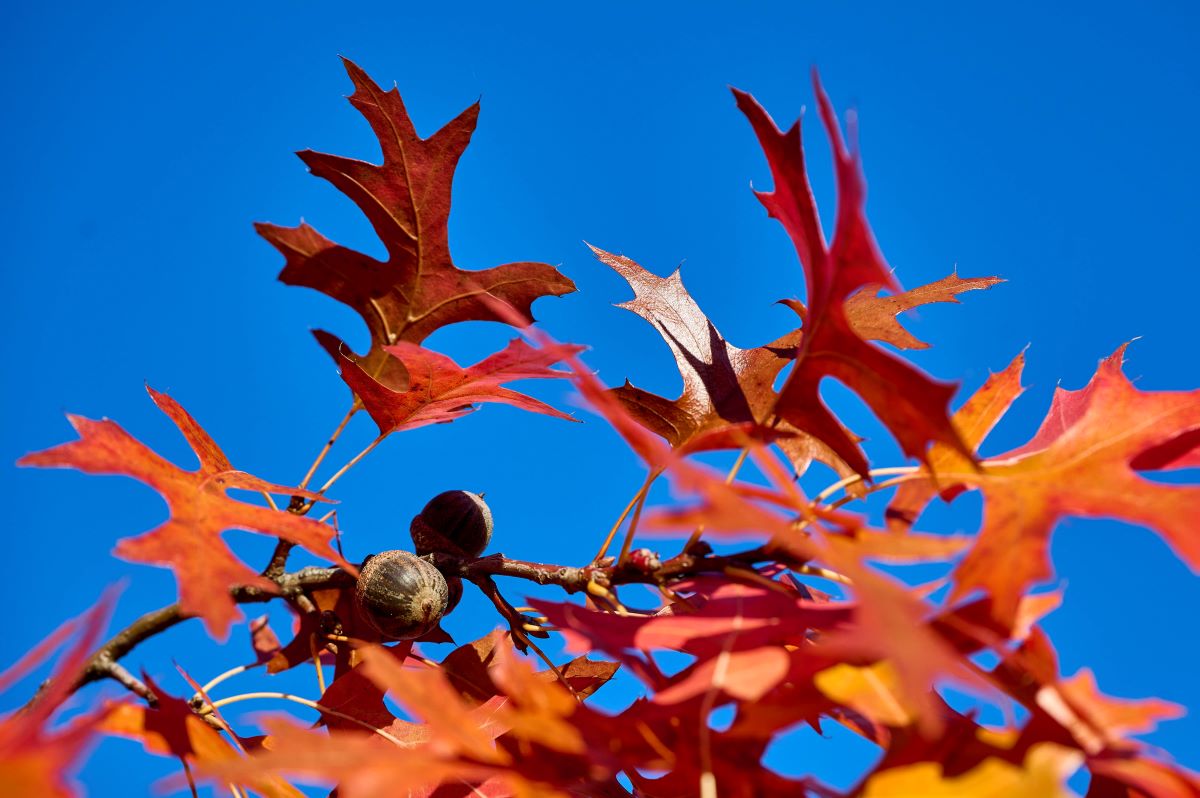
(105,662)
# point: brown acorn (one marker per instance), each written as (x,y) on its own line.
(455,522)
(400,594)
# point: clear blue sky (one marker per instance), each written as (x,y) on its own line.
(1053,146)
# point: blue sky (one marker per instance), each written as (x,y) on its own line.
(1054,147)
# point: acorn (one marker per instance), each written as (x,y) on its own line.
(455,522)
(400,594)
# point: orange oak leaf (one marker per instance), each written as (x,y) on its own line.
(974,421)
(913,406)
(189,542)
(361,765)
(875,316)
(728,392)
(439,390)
(1082,462)
(1115,718)
(418,289)
(36,759)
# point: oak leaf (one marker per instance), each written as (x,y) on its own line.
(751,616)
(171,728)
(974,421)
(1140,777)
(874,315)
(418,289)
(1082,462)
(37,759)
(912,405)
(1042,775)
(468,668)
(1115,718)
(728,392)
(439,390)
(189,542)
(361,765)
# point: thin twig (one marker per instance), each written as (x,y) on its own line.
(295,699)
(627,544)
(316,656)
(853,478)
(353,462)
(312,470)
(637,497)
(201,694)
(694,538)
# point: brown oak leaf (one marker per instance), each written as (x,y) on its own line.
(407,200)
(728,392)
(189,542)
(874,316)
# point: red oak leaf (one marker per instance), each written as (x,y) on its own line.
(911,405)
(35,759)
(728,393)
(353,695)
(189,543)
(729,617)
(407,199)
(468,669)
(1082,462)
(1139,777)
(263,640)
(439,390)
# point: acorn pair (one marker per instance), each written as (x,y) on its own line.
(401,593)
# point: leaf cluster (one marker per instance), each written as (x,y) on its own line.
(776,598)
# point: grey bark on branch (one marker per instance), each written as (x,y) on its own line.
(292,586)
